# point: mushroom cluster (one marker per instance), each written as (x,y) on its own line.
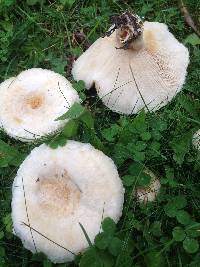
(60,193)
(136,65)
(57,190)
(32,101)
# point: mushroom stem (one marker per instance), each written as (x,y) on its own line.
(129,31)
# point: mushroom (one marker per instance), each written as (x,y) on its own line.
(136,65)
(148,194)
(196,140)
(32,101)
(57,190)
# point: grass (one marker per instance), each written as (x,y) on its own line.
(163,233)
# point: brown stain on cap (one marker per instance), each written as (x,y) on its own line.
(150,41)
(58,194)
(35,102)
(17,120)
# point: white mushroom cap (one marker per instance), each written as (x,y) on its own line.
(196,140)
(149,193)
(147,75)
(32,101)
(55,190)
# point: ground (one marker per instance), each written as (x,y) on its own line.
(51,34)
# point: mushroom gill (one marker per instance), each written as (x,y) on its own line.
(134,66)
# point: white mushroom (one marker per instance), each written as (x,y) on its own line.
(55,190)
(32,101)
(135,66)
(148,194)
(196,140)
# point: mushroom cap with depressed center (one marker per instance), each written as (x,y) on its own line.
(32,101)
(148,194)
(147,74)
(55,190)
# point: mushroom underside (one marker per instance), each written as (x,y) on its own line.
(130,80)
